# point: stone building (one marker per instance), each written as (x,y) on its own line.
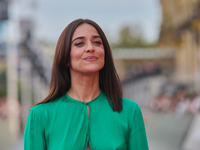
(132,59)
(180,30)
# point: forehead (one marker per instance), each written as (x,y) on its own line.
(85,30)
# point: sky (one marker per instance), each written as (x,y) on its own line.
(52,16)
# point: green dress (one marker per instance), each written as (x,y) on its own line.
(63,124)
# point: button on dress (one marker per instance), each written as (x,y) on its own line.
(64,124)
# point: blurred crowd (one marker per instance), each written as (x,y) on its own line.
(140,72)
(181,101)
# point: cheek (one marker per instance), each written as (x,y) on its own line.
(102,52)
(73,57)
(103,57)
(75,54)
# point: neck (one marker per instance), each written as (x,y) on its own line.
(84,87)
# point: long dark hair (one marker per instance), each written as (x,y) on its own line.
(60,78)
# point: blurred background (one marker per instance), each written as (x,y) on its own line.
(156,49)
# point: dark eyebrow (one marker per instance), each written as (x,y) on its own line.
(81,37)
(96,36)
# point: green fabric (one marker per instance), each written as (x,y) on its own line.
(63,124)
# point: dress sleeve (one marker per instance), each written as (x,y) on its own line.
(34,132)
(137,135)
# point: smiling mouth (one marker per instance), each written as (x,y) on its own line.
(91,58)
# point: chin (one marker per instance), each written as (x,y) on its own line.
(89,69)
(93,70)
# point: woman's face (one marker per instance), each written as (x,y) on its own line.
(87,50)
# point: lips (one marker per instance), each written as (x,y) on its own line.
(91,58)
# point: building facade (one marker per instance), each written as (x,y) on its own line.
(180,30)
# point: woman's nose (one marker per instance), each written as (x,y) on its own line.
(90,47)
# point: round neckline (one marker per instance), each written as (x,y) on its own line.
(87,103)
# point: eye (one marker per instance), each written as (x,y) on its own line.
(97,42)
(79,44)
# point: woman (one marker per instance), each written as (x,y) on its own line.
(84,108)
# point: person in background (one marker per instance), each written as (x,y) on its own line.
(84,108)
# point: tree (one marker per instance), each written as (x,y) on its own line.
(2,83)
(130,37)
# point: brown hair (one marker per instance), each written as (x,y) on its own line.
(60,78)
